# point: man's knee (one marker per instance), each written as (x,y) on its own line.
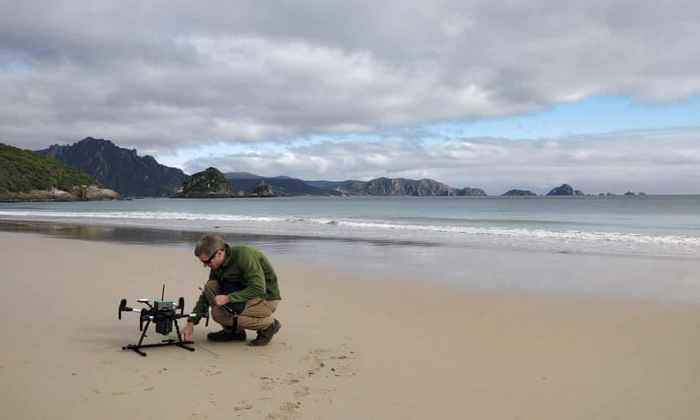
(259,308)
(251,323)
(221,316)
(257,314)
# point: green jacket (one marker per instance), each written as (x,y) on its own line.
(245,274)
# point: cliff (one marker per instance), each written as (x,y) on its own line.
(118,168)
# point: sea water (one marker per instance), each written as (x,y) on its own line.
(620,225)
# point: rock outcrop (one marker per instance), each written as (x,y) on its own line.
(264,190)
(79,193)
(209,183)
(562,190)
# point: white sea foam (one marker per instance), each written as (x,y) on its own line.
(136,215)
(365,228)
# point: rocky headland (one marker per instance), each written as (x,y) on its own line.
(78,193)
(27,176)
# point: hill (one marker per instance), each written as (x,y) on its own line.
(280,185)
(395,186)
(25,175)
(283,185)
(118,168)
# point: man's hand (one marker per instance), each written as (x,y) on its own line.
(221,300)
(187,331)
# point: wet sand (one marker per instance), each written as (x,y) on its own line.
(351,346)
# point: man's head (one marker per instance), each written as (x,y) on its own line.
(210,251)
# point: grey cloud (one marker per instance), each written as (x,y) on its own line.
(166,74)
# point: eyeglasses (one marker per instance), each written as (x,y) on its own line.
(208,261)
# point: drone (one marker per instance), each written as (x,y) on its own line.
(164,314)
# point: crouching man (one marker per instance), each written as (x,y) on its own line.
(242,292)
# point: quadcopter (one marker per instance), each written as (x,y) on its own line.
(164,314)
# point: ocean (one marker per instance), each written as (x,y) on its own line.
(436,237)
(651,225)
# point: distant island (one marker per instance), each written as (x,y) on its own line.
(519,193)
(564,190)
(212,183)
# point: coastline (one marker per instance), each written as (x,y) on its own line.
(658,279)
(352,346)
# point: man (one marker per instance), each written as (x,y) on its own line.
(242,292)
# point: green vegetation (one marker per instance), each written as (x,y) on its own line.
(23,170)
(209,181)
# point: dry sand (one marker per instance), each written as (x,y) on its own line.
(350,348)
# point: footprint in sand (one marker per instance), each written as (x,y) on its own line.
(287,411)
(326,363)
(336,362)
(211,370)
(267,383)
(243,405)
(302,391)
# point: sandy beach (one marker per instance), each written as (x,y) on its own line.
(351,347)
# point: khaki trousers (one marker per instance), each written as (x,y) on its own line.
(257,314)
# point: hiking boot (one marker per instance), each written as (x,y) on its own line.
(227,334)
(264,336)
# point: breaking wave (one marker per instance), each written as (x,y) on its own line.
(363,228)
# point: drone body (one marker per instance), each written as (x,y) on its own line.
(164,314)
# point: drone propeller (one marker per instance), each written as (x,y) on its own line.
(181,305)
(123,308)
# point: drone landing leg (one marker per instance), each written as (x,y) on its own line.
(138,346)
(180,342)
(168,342)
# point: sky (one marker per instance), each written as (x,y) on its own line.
(603,95)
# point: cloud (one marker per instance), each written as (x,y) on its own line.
(168,75)
(663,161)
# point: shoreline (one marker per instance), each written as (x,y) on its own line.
(351,346)
(641,278)
(556,227)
